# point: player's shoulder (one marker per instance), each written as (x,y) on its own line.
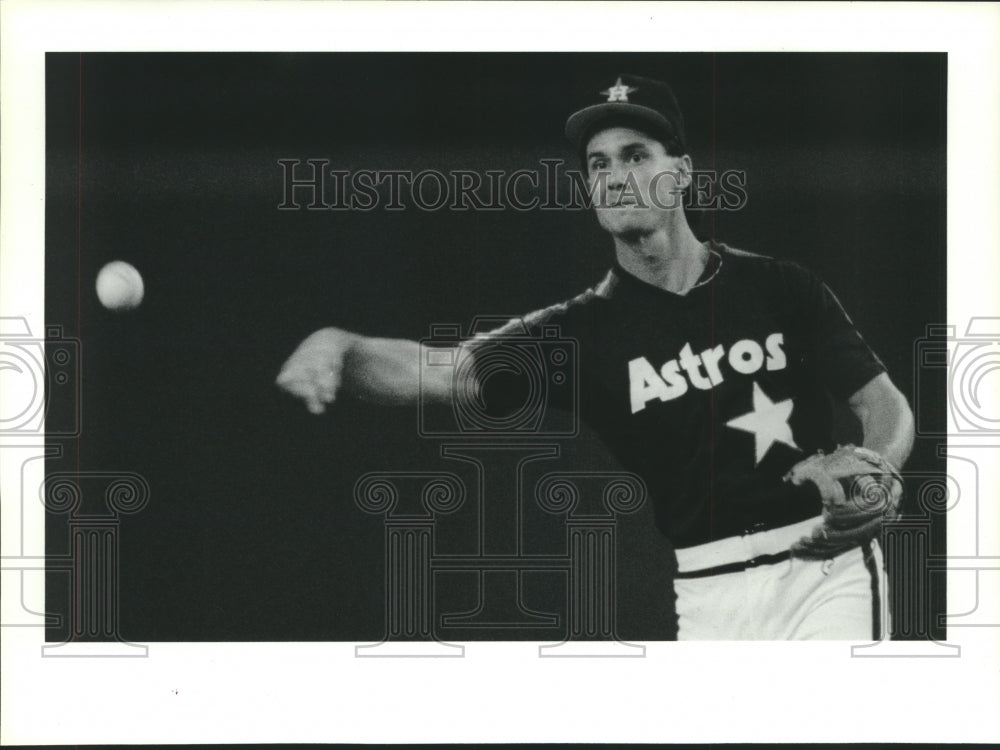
(578,304)
(747,258)
(782,270)
(561,314)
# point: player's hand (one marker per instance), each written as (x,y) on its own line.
(314,372)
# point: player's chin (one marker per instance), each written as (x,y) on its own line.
(625,219)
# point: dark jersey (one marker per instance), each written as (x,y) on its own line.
(712,396)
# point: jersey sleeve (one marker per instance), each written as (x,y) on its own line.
(843,359)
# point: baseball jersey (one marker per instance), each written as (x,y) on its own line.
(712,396)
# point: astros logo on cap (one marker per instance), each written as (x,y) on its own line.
(635,102)
(619,92)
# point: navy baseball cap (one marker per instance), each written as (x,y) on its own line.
(633,101)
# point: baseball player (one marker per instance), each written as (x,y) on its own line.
(708,371)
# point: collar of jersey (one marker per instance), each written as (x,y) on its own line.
(619,275)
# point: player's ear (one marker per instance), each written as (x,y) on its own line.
(684,169)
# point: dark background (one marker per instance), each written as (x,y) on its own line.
(170,161)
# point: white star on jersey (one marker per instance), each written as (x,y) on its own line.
(768,422)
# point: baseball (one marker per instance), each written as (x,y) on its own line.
(119,286)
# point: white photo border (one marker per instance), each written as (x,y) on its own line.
(502,692)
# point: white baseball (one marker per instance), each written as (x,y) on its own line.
(119,286)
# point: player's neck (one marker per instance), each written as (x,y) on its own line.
(671,258)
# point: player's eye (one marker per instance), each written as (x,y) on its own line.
(636,158)
(599,164)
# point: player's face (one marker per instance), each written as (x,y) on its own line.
(634,182)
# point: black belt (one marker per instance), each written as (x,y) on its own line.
(739,567)
(736,567)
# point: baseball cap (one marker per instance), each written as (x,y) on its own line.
(645,103)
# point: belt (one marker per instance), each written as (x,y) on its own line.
(739,553)
(735,567)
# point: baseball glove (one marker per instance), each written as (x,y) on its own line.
(859,489)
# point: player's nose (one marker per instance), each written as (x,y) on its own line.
(617,177)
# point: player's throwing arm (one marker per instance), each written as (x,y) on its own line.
(332,362)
